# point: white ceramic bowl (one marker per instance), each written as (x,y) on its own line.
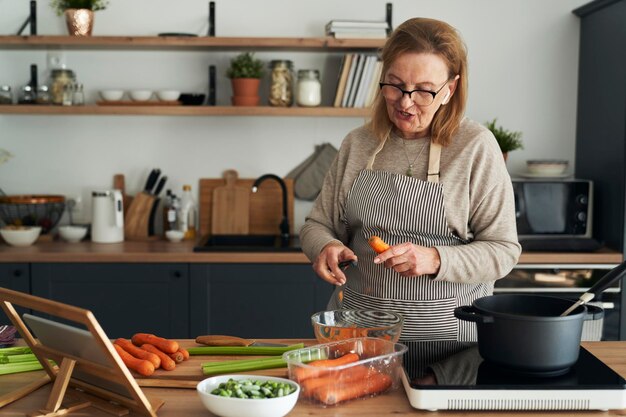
(20,235)
(111,95)
(547,167)
(72,234)
(168,95)
(237,407)
(140,95)
(174,235)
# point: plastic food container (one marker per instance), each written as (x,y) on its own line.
(377,369)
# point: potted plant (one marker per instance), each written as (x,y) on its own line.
(78,14)
(245,72)
(508,140)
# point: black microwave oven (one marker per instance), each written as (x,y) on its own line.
(553,208)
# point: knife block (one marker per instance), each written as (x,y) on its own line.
(137,218)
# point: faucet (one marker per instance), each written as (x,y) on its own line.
(284,223)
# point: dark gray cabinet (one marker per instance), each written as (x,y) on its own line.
(14,277)
(601,121)
(125,298)
(256,300)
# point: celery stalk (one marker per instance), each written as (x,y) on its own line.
(243,350)
(239,366)
(14,368)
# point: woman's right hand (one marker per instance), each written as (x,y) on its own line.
(326,264)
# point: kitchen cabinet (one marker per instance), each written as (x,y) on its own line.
(125,298)
(256,300)
(14,277)
(601,118)
(212,44)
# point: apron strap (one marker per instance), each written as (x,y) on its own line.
(433,162)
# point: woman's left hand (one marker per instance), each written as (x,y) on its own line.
(410,260)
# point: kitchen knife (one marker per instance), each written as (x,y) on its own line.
(222,340)
(160,185)
(152,179)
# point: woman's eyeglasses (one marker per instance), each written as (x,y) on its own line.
(419,96)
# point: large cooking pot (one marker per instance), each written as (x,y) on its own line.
(526,332)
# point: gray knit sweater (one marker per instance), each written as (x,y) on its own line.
(478,196)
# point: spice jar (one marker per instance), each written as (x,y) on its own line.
(309,92)
(59,78)
(27,95)
(281,86)
(43,95)
(6,96)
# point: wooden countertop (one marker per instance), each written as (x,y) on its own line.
(185,402)
(161,251)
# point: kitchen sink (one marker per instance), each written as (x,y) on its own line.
(248,243)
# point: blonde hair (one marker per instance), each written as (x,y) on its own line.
(432,36)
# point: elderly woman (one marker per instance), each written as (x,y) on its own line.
(429,182)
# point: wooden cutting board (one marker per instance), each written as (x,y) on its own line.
(265,207)
(230,208)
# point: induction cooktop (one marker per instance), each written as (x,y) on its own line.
(453,376)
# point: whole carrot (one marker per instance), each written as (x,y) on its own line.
(378,244)
(138,352)
(184,352)
(177,356)
(305,373)
(141,366)
(167,346)
(167,363)
(374,384)
(345,376)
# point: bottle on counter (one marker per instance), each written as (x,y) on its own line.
(188,211)
(170,207)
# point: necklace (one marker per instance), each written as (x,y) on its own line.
(409,170)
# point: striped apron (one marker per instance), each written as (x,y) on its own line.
(399,208)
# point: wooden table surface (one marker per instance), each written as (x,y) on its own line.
(185,402)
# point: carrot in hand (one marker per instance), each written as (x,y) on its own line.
(167,346)
(141,366)
(305,373)
(378,244)
(167,363)
(373,384)
(138,352)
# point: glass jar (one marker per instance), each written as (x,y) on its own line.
(59,78)
(43,95)
(309,92)
(6,95)
(281,84)
(27,95)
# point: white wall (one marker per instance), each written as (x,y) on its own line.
(523,70)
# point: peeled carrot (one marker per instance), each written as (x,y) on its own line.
(167,346)
(177,356)
(167,363)
(345,376)
(138,352)
(305,373)
(185,353)
(373,384)
(378,244)
(141,366)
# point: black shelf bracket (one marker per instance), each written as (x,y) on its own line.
(211,31)
(31,19)
(389,13)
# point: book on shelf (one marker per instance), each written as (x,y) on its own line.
(359,34)
(350,82)
(374,87)
(356,24)
(343,79)
(366,80)
(358,75)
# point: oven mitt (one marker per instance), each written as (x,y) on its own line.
(308,177)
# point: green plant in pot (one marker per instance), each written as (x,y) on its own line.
(245,73)
(507,139)
(78,14)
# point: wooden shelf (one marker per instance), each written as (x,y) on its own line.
(184,42)
(184,110)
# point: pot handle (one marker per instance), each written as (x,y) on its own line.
(468,313)
(593,312)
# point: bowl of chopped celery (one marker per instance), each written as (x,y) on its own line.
(248,395)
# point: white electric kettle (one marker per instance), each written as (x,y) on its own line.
(107,221)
